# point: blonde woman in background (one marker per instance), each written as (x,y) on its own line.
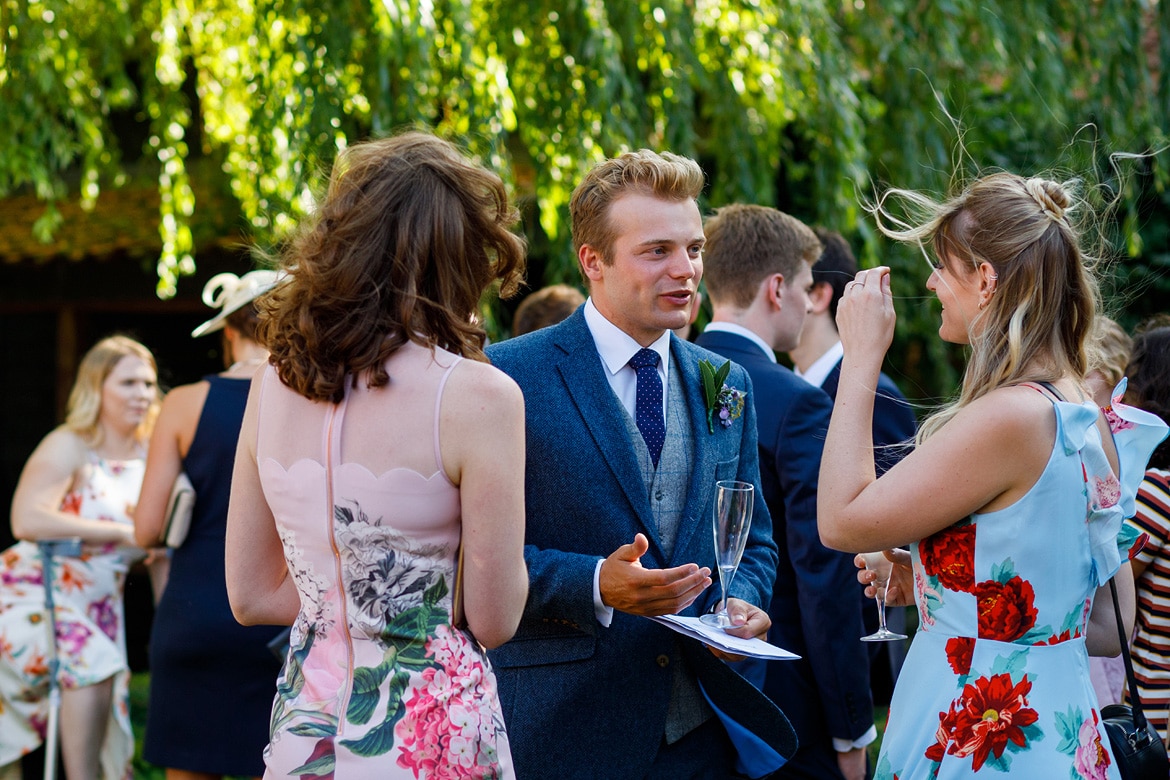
(201,659)
(1108,352)
(82,481)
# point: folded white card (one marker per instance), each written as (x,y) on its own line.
(720,639)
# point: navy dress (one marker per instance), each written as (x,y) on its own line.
(212,680)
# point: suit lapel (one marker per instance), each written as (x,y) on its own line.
(701,488)
(583,373)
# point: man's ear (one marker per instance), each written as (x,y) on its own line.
(591,262)
(820,297)
(771,288)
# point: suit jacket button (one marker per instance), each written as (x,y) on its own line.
(663,661)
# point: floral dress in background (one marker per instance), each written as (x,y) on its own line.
(997,678)
(377,682)
(91,631)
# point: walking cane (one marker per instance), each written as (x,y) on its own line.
(48,548)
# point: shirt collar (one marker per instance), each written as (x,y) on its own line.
(819,371)
(615,346)
(739,330)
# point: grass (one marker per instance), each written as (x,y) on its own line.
(139,699)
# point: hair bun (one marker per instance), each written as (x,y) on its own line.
(1049,196)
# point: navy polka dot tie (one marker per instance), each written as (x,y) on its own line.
(648,403)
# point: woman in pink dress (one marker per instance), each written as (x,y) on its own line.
(376,443)
(81,481)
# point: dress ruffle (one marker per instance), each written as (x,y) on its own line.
(1111,499)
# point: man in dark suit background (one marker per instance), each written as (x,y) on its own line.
(818,360)
(619,487)
(758,272)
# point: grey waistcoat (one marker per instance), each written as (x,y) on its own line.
(667,487)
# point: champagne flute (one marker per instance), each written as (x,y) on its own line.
(731,522)
(874,561)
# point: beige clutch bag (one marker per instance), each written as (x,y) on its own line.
(179,508)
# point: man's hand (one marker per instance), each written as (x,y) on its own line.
(627,587)
(748,621)
(852,764)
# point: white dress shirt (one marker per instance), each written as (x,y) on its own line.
(819,371)
(616,347)
(739,330)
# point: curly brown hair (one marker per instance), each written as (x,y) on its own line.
(409,236)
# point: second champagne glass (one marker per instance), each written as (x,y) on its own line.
(873,561)
(731,522)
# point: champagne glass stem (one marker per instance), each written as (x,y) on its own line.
(881,609)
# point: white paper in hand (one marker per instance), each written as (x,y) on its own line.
(719,639)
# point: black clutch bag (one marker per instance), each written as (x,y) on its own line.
(1137,748)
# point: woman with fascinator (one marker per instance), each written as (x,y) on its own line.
(212,680)
(1012,501)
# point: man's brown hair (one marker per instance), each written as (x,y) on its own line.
(746,244)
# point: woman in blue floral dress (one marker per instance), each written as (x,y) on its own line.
(81,481)
(378,442)
(1012,502)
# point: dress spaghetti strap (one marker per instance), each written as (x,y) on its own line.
(438,404)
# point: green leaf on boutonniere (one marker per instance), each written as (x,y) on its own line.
(713,379)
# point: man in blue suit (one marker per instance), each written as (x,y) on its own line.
(620,479)
(758,271)
(818,360)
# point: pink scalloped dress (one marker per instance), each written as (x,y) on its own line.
(376,682)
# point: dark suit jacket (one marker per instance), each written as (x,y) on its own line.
(894,423)
(579,699)
(815,611)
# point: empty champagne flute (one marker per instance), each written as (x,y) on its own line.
(875,561)
(731,522)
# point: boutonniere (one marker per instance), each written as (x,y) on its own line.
(723,402)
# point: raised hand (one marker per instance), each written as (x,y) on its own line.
(865,314)
(629,587)
(898,578)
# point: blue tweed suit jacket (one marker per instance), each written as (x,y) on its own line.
(581,700)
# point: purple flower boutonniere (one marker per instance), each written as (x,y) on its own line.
(723,403)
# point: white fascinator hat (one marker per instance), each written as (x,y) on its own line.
(228,292)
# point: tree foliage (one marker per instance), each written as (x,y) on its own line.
(806,104)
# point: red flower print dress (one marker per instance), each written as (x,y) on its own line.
(997,678)
(91,631)
(376,682)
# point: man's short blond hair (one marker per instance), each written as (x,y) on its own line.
(661,175)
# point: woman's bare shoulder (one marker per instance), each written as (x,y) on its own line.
(486,381)
(1012,406)
(63,449)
